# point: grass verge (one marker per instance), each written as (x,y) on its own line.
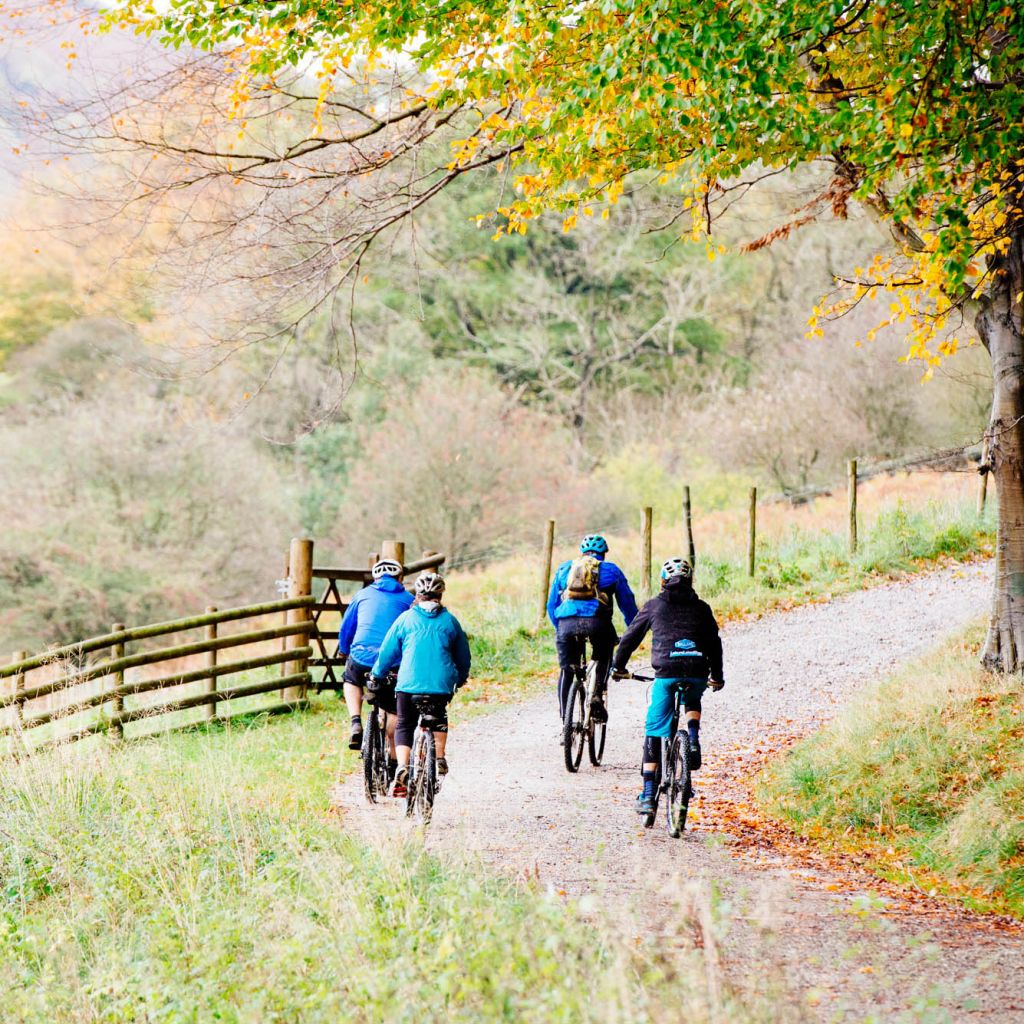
(922,780)
(200,878)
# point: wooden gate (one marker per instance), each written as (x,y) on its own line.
(331,603)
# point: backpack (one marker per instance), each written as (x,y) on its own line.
(581,584)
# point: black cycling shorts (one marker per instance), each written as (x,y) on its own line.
(358,675)
(409,715)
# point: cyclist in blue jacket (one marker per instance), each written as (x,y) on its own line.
(367,620)
(580,609)
(431,650)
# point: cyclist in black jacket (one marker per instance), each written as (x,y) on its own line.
(686,654)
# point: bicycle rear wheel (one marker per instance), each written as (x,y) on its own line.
(422,777)
(677,784)
(573,726)
(375,762)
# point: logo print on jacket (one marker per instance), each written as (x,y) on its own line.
(685,649)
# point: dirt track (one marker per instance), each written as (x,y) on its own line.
(510,800)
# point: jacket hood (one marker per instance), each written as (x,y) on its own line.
(677,590)
(431,609)
(389,584)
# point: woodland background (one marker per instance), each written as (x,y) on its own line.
(460,392)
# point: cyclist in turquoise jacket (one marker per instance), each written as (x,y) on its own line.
(431,651)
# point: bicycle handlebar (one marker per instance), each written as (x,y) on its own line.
(640,678)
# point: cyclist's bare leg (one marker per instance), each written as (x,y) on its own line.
(403,754)
(392,722)
(354,699)
(440,741)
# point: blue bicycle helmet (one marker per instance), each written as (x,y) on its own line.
(594,544)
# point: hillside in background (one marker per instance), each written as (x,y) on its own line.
(482,388)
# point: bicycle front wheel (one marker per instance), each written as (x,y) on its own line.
(677,785)
(598,730)
(573,727)
(375,762)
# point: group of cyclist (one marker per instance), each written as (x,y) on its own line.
(400,646)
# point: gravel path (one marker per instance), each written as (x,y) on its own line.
(510,800)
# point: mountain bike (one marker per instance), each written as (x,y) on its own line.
(578,724)
(374,751)
(673,776)
(422,782)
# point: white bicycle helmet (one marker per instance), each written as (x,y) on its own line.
(676,568)
(429,584)
(386,567)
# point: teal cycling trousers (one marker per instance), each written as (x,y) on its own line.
(659,711)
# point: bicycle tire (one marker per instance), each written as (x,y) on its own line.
(412,774)
(573,727)
(595,742)
(598,731)
(374,760)
(422,795)
(677,785)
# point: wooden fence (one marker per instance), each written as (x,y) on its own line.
(66,694)
(331,604)
(854,475)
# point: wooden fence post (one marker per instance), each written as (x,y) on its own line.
(852,494)
(545,571)
(117,680)
(19,685)
(691,554)
(982,492)
(646,525)
(210,684)
(394,549)
(18,747)
(752,535)
(300,584)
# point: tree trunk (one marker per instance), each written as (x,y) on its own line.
(999,326)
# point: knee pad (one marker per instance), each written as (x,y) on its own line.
(652,749)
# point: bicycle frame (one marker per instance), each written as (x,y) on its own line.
(664,771)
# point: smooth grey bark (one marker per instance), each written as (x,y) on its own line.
(999,326)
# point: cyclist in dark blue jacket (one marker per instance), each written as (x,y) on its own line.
(581,609)
(686,655)
(367,620)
